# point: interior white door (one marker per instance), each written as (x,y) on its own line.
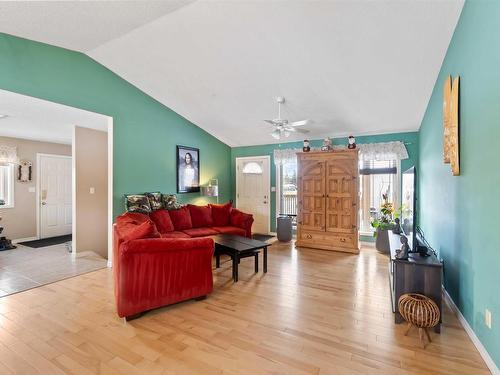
(55,195)
(253,189)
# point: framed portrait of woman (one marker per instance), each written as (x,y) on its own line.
(188,169)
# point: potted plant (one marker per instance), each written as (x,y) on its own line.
(383,224)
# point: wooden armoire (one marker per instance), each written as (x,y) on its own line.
(328,200)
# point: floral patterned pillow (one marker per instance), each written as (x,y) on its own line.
(137,203)
(155,200)
(170,202)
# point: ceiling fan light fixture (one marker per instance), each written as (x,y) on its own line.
(276,134)
(2,116)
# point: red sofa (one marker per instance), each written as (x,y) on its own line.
(163,258)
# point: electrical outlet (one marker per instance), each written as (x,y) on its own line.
(92,190)
(487,318)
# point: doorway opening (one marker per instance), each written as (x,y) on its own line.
(56,186)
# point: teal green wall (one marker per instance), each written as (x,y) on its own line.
(410,138)
(145,131)
(459,215)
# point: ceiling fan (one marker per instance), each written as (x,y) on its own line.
(283,127)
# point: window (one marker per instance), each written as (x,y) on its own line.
(252,168)
(377,177)
(7,185)
(287,188)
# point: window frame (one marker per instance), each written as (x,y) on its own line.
(10,188)
(397,200)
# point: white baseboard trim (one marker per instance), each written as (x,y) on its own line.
(475,340)
(24,239)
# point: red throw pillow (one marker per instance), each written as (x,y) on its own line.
(162,220)
(181,218)
(221,214)
(201,216)
(129,231)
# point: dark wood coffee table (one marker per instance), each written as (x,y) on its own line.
(238,247)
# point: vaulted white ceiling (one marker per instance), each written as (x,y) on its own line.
(352,67)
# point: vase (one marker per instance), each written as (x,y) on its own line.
(382,241)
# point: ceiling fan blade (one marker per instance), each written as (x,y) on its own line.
(296,130)
(298,123)
(271,122)
(276,134)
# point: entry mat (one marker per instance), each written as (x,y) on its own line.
(47,241)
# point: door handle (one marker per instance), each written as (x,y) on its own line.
(44,203)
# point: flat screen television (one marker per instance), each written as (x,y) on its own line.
(408,206)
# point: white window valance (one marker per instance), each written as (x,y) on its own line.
(383,151)
(286,155)
(8,155)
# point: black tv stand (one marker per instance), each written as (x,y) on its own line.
(419,274)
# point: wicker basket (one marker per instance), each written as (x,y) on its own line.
(419,311)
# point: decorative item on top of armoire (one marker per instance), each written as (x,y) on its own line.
(328,196)
(351,142)
(306,147)
(419,311)
(24,171)
(451,124)
(327,144)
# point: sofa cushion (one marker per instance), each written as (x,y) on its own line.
(132,217)
(240,219)
(137,203)
(162,220)
(130,231)
(221,213)
(230,230)
(181,218)
(175,234)
(201,216)
(155,201)
(200,232)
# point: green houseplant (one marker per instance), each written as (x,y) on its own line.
(383,224)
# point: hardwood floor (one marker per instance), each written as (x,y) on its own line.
(314,312)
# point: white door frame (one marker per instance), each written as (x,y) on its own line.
(39,155)
(268,158)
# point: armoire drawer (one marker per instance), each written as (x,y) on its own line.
(342,240)
(328,239)
(314,236)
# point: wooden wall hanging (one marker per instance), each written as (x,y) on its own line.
(451,143)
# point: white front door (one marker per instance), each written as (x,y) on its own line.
(55,194)
(253,189)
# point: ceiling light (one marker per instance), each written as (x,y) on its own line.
(3,116)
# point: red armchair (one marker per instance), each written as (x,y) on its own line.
(154,272)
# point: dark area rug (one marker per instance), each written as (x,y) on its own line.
(261,237)
(47,241)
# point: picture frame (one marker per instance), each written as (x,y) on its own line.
(188,169)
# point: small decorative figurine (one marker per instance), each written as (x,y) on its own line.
(402,254)
(352,143)
(327,144)
(306,147)
(397,227)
